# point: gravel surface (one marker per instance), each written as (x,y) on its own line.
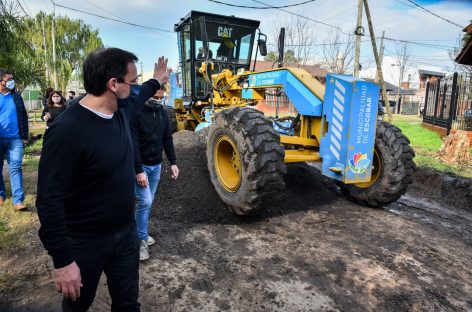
(312,251)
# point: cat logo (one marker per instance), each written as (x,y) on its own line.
(224,32)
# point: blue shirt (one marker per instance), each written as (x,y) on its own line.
(8,118)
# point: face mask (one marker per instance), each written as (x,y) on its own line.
(71,97)
(153,104)
(10,85)
(134,90)
(133,96)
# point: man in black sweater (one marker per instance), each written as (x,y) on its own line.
(86,177)
(151,135)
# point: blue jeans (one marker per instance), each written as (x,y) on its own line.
(12,149)
(144,197)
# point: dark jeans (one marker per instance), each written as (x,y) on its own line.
(118,257)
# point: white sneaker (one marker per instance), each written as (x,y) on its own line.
(143,251)
(150,241)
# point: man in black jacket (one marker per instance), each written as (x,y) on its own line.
(86,177)
(13,134)
(151,135)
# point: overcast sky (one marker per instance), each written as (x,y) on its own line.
(398,18)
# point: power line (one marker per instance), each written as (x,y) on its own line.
(109,12)
(310,19)
(314,45)
(23,9)
(27,8)
(339,13)
(432,13)
(262,8)
(112,19)
(428,45)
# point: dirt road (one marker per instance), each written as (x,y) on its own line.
(312,251)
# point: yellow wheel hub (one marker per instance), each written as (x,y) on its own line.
(376,169)
(227,163)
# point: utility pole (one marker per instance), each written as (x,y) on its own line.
(377,60)
(357,65)
(400,78)
(45,47)
(381,56)
(53,35)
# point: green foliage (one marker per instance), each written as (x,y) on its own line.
(427,144)
(33,150)
(289,57)
(73,40)
(421,137)
(26,46)
(16,53)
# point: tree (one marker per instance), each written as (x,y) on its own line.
(300,39)
(16,54)
(74,41)
(289,57)
(26,45)
(403,62)
(338,55)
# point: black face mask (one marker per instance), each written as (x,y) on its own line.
(71,97)
(153,104)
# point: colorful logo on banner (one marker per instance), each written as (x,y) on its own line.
(252,81)
(359,163)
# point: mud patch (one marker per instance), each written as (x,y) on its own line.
(441,187)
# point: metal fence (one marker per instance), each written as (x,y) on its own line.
(448,102)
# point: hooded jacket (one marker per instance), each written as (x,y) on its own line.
(151,136)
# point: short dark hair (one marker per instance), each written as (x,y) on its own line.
(4,72)
(103,64)
(73,92)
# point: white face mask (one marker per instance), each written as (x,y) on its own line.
(10,84)
(56,99)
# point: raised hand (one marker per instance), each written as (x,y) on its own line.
(161,71)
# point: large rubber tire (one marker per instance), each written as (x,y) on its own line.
(172,117)
(255,143)
(393,151)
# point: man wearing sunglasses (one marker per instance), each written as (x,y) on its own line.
(13,134)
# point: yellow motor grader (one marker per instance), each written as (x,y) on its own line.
(247,152)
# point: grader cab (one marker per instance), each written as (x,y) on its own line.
(248,152)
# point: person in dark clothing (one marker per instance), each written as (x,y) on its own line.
(56,106)
(85,197)
(13,134)
(70,97)
(46,96)
(151,135)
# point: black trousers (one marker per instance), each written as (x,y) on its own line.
(118,257)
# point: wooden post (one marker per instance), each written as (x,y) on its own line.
(381,55)
(357,64)
(377,61)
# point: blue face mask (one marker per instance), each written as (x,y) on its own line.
(134,90)
(133,96)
